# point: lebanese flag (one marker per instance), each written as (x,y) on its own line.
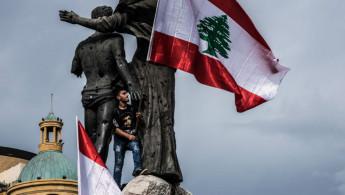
(216,41)
(93,176)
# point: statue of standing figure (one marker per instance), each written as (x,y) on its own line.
(156,81)
(102,59)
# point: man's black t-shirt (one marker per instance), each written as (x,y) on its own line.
(125,120)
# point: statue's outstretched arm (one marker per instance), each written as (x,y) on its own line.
(133,89)
(102,24)
(123,69)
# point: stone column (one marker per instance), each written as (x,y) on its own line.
(41,136)
(54,134)
(59,134)
(45,135)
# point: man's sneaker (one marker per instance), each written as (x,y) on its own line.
(137,172)
(123,186)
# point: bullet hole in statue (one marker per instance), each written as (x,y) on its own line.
(100,74)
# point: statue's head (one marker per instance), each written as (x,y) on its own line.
(101,11)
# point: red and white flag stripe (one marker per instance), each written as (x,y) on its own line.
(251,71)
(93,176)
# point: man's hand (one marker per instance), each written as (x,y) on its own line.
(131,137)
(134,91)
(69,17)
(138,115)
(140,118)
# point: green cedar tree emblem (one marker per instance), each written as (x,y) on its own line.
(215,30)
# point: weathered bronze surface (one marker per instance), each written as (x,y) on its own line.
(156,81)
(102,59)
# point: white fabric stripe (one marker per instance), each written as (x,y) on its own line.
(252,65)
(94,179)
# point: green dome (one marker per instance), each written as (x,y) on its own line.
(49,164)
(51,116)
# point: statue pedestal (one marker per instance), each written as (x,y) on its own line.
(151,185)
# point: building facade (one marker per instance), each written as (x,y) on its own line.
(12,161)
(49,172)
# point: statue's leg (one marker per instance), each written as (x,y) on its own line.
(158,140)
(90,117)
(104,128)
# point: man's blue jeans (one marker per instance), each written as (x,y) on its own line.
(120,147)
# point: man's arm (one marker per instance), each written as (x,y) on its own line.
(118,130)
(124,134)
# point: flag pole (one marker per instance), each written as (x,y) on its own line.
(78,155)
(139,110)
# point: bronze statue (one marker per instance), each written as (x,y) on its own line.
(102,59)
(156,81)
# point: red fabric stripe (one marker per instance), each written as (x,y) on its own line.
(233,9)
(185,56)
(86,146)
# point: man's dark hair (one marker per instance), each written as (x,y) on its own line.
(119,89)
(101,11)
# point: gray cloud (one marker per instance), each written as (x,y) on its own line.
(290,145)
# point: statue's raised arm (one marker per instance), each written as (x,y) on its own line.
(125,13)
(102,24)
(69,16)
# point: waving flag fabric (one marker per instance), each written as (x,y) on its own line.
(93,176)
(217,42)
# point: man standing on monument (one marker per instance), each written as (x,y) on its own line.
(102,59)
(126,121)
(157,82)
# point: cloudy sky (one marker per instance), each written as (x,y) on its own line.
(292,145)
